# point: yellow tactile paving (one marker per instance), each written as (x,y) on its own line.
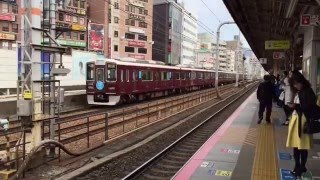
(265,165)
(251,138)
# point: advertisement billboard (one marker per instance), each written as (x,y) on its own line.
(95,37)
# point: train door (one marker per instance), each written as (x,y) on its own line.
(90,77)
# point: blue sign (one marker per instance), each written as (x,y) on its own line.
(212,172)
(285,156)
(100,85)
(286,175)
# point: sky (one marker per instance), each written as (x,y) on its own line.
(199,9)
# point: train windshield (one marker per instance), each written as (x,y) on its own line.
(90,71)
(100,74)
(111,72)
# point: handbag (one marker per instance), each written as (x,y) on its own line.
(312,126)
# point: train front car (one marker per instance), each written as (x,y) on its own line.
(102,83)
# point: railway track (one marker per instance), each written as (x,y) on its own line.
(166,163)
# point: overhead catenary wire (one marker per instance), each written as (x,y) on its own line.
(211,11)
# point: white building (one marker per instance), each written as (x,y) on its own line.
(189,37)
(231,55)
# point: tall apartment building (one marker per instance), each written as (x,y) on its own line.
(130,29)
(234,45)
(9,24)
(189,37)
(167,31)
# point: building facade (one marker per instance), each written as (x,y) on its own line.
(189,38)
(130,29)
(167,31)
(10,21)
(237,47)
(208,41)
(71,23)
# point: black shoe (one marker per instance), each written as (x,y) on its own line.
(260,120)
(268,122)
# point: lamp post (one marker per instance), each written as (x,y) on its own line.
(216,83)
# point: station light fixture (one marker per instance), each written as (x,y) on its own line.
(291,8)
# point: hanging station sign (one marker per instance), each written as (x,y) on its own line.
(310,20)
(281,44)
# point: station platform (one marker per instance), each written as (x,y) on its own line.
(242,149)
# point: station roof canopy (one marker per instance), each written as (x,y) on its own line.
(264,20)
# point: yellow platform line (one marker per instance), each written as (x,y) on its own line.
(265,165)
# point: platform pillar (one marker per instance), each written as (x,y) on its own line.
(311,56)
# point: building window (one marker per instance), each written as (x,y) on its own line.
(142,50)
(145,12)
(142,38)
(68,35)
(140,10)
(116,5)
(129,49)
(127,8)
(116,34)
(15,28)
(5,26)
(14,9)
(5,7)
(115,47)
(68,18)
(82,4)
(130,22)
(129,36)
(61,17)
(75,3)
(75,19)
(142,24)
(82,36)
(116,20)
(75,35)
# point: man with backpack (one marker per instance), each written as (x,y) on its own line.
(265,94)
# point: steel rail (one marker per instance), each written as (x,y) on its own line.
(138,171)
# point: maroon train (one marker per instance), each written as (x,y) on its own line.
(110,82)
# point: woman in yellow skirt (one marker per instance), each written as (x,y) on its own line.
(304,105)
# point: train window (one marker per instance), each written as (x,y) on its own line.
(100,74)
(127,74)
(169,75)
(166,76)
(122,75)
(134,76)
(193,75)
(156,76)
(177,76)
(111,72)
(200,75)
(207,75)
(183,76)
(146,76)
(90,71)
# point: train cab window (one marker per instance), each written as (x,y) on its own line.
(100,74)
(111,72)
(146,76)
(90,71)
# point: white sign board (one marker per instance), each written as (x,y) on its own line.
(263,60)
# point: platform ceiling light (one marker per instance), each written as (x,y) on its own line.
(291,8)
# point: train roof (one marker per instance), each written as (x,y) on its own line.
(154,64)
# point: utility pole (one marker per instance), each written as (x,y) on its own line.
(216,83)
(237,60)
(32,87)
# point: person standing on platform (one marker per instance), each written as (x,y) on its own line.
(305,107)
(288,98)
(265,94)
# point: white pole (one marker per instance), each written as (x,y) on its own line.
(216,83)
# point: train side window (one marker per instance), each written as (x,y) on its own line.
(111,72)
(100,74)
(127,75)
(122,75)
(147,76)
(178,76)
(193,75)
(165,76)
(90,71)
(183,76)
(169,76)
(134,76)
(156,76)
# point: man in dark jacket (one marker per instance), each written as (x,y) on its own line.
(265,93)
